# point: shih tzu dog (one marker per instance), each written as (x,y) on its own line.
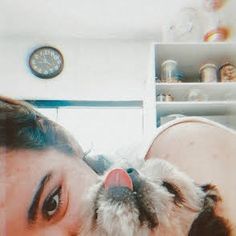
(153,198)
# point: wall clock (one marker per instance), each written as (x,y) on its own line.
(46,62)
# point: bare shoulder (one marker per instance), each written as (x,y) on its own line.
(203,149)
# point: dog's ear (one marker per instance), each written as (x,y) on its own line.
(98,163)
(208,223)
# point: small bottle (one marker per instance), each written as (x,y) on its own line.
(169,98)
(164,97)
(161,97)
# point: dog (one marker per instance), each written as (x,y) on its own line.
(152,198)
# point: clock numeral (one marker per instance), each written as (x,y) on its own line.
(58,62)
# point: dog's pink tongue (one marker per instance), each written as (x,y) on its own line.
(118,178)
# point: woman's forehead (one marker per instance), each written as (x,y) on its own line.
(33,164)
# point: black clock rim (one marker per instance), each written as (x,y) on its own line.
(49,76)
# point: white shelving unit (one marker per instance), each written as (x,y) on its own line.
(212,91)
(219,101)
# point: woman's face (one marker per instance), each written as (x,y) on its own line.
(44,193)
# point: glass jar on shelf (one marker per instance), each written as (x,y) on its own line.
(169,72)
(227,72)
(208,73)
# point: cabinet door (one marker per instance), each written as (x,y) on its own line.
(103,130)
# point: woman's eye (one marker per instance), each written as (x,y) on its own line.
(52,204)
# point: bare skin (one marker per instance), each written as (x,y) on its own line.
(205,152)
(44,193)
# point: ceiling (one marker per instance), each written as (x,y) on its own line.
(122,19)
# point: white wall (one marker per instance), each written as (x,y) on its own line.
(94,69)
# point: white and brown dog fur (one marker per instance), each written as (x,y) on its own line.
(163,202)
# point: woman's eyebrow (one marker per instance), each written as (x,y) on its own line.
(33,209)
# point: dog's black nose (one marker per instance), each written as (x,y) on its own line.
(134,175)
(131,171)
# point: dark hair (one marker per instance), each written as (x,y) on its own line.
(22,127)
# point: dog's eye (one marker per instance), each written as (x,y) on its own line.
(173,189)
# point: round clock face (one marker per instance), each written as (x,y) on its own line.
(46,62)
